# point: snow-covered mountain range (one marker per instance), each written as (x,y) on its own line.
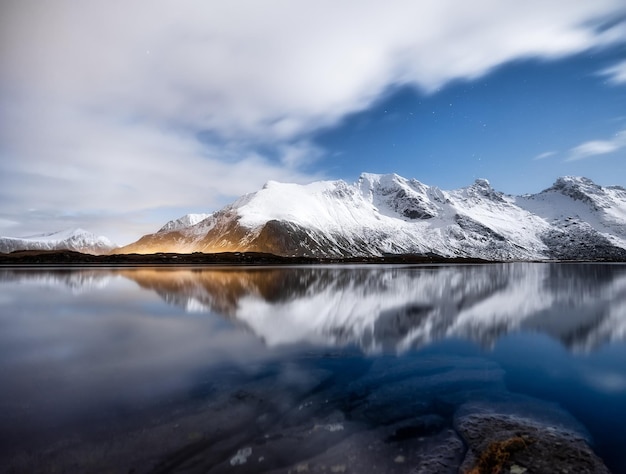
(76,239)
(389,214)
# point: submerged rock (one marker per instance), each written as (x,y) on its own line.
(417,415)
(369,451)
(510,443)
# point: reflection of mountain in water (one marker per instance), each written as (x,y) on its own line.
(76,281)
(390,308)
(395,308)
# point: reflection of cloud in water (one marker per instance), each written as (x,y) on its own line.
(64,356)
(604,381)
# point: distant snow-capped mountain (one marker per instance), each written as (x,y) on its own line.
(76,239)
(383,214)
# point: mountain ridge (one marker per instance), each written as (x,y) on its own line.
(381,214)
(385,214)
(77,239)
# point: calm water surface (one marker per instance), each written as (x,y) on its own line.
(276,369)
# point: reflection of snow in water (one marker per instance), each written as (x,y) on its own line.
(387,308)
(415,308)
(193,305)
(76,281)
(241,457)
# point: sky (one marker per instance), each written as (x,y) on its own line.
(118,116)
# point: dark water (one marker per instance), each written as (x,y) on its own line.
(310,369)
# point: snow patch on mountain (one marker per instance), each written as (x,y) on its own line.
(183,222)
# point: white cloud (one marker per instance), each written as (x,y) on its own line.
(80,169)
(299,154)
(543,156)
(598,147)
(616,74)
(101,102)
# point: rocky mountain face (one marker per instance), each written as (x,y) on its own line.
(183,222)
(388,214)
(78,240)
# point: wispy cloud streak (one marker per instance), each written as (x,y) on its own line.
(598,147)
(616,74)
(543,156)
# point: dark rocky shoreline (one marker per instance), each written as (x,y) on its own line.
(31,257)
(69,258)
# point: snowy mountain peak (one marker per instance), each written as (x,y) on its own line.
(584,190)
(564,181)
(482,183)
(76,234)
(480,189)
(385,181)
(374,177)
(187,220)
(399,197)
(483,187)
(576,187)
(77,239)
